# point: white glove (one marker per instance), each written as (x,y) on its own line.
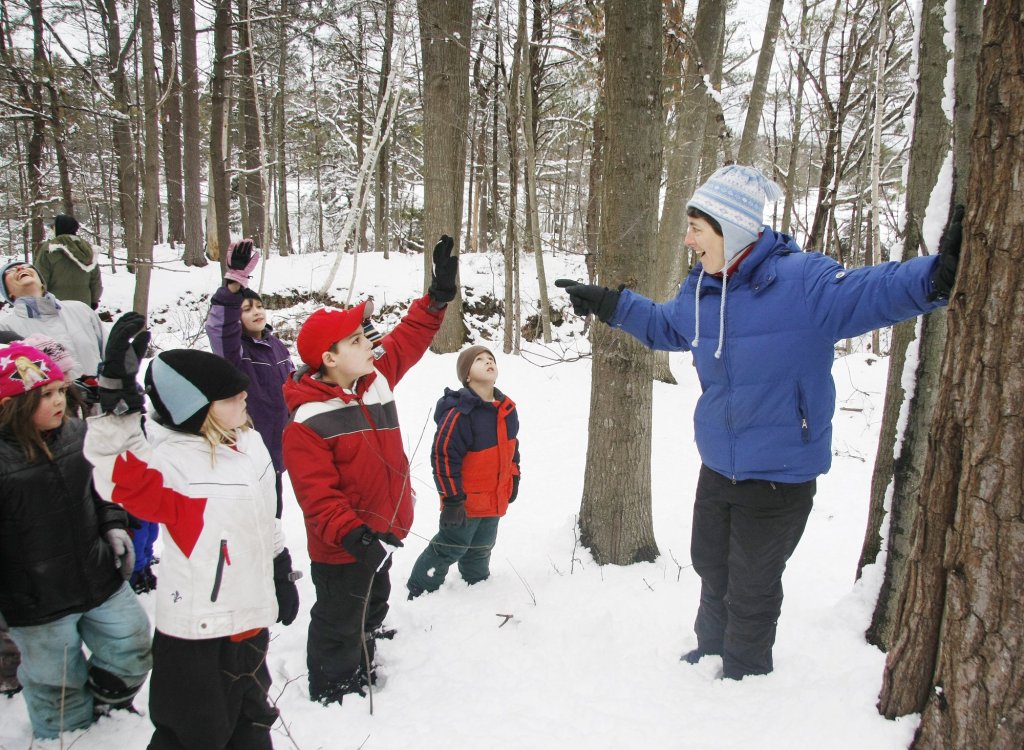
(124,551)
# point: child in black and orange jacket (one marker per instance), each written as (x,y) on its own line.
(475,458)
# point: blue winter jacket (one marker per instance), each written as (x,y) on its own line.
(766,406)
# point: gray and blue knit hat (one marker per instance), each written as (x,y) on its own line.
(182,383)
(735,196)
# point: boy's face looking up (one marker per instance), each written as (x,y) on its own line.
(483,371)
(349,359)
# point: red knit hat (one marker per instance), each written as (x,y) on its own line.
(326,327)
(23,369)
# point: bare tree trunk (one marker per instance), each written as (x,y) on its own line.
(151,150)
(881,62)
(929,146)
(956,654)
(513,107)
(170,116)
(36,142)
(794,140)
(684,159)
(757,90)
(220,188)
(615,512)
(252,151)
(445,27)
(284,235)
(957,657)
(59,134)
(382,208)
(533,210)
(193,171)
(127,172)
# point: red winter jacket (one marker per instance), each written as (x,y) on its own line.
(343,450)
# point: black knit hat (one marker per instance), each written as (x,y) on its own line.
(182,383)
(248,293)
(65,224)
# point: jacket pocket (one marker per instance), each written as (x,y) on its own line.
(223,558)
(801,407)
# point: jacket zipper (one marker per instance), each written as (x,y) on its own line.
(223,558)
(805,430)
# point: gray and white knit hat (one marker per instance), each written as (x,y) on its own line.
(735,196)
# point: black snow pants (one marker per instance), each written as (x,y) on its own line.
(743,534)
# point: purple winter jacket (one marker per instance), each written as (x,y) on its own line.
(266,361)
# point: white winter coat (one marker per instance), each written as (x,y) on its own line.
(71,323)
(219,527)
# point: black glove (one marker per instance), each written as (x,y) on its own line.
(453,512)
(241,262)
(589,299)
(365,545)
(446,266)
(944,275)
(515,489)
(285,588)
(119,393)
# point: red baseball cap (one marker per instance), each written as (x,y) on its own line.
(326,327)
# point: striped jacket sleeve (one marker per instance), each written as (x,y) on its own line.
(451,442)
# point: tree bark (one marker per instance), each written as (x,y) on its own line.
(445,27)
(381,208)
(170,116)
(193,170)
(957,655)
(760,85)
(151,162)
(252,140)
(37,141)
(284,234)
(615,513)
(929,147)
(220,187)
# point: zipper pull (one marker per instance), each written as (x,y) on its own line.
(224,550)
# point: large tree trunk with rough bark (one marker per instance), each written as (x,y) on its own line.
(444,41)
(151,161)
(615,513)
(929,147)
(218,207)
(957,656)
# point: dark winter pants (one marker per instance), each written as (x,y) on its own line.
(210,694)
(334,650)
(470,546)
(743,534)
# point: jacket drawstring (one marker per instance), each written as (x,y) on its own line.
(696,312)
(721,318)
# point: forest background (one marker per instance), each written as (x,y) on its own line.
(582,127)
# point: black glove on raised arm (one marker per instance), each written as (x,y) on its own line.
(453,512)
(446,267)
(285,588)
(944,275)
(119,393)
(590,299)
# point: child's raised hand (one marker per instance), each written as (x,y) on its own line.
(126,346)
(446,267)
(241,261)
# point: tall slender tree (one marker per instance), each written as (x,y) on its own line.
(193,169)
(615,513)
(170,120)
(445,27)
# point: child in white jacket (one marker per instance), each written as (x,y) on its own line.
(207,478)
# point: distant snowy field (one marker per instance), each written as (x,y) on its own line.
(589,657)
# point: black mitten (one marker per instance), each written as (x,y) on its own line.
(590,299)
(453,512)
(446,267)
(944,275)
(119,393)
(285,588)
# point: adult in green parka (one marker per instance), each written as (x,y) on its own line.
(67,264)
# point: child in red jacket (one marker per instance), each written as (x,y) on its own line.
(344,454)
(475,458)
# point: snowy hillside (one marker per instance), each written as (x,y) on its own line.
(554,651)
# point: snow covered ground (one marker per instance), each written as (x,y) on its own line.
(589,655)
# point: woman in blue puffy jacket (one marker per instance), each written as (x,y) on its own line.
(761,319)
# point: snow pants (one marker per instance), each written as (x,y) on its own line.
(211,694)
(334,648)
(470,546)
(743,535)
(56,675)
